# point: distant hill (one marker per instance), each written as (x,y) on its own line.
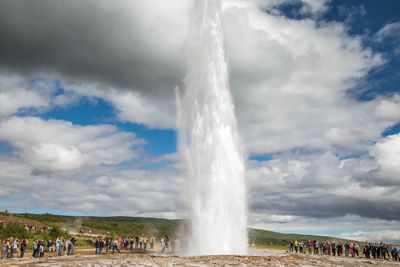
(266,238)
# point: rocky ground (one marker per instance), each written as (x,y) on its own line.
(263,258)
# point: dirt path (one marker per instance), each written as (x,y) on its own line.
(139,259)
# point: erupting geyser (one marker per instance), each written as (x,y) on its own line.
(209,140)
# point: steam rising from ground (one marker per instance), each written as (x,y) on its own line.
(209,140)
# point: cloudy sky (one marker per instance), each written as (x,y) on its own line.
(88,113)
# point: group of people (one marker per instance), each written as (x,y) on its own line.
(381,251)
(61,246)
(34,228)
(133,242)
(370,250)
(11,247)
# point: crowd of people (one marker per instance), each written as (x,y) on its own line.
(132,243)
(371,250)
(13,247)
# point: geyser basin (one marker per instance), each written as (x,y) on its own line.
(209,140)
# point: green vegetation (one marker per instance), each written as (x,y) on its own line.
(13,229)
(134,225)
(269,239)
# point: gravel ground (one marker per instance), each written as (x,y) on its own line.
(256,258)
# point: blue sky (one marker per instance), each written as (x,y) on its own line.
(88,110)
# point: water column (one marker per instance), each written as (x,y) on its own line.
(209,141)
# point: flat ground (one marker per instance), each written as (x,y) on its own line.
(257,258)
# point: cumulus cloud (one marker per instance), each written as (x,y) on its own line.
(326,186)
(55,145)
(17,94)
(375,236)
(388,109)
(387,154)
(104,190)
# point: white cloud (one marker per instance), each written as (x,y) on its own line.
(137,108)
(387,154)
(106,190)
(15,95)
(375,236)
(290,82)
(389,30)
(59,145)
(388,109)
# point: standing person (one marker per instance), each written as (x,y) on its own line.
(396,252)
(66,247)
(4,249)
(352,249)
(11,247)
(108,244)
(57,244)
(333,245)
(387,250)
(291,246)
(126,242)
(310,245)
(136,240)
(96,245)
(153,240)
(356,249)
(72,244)
(15,246)
(101,245)
(24,244)
(120,242)
(35,248)
(61,246)
(162,245)
(296,245)
(339,249)
(141,241)
(144,243)
(378,250)
(166,241)
(131,241)
(366,250)
(346,249)
(316,247)
(373,250)
(41,249)
(69,247)
(301,246)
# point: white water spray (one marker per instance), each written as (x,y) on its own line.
(209,140)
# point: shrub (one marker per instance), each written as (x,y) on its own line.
(14,229)
(55,232)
